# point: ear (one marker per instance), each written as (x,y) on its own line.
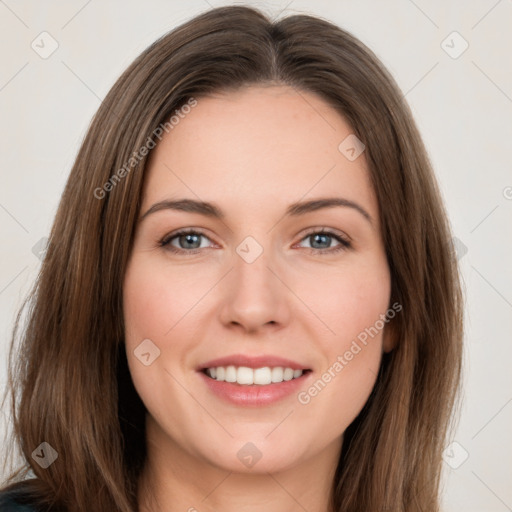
(389,336)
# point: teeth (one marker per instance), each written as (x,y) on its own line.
(262,376)
(288,374)
(244,375)
(277,374)
(247,376)
(230,374)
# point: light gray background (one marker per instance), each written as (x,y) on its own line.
(463,107)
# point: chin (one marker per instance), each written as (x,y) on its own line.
(255,454)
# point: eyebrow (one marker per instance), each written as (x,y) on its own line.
(294,210)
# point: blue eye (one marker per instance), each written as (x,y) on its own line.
(189,241)
(323,238)
(187,238)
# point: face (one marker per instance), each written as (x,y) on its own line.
(291,298)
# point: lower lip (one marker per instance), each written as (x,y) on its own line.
(254,395)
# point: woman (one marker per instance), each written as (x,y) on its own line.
(247,369)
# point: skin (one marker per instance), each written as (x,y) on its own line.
(253,153)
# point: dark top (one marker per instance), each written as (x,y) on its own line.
(9,502)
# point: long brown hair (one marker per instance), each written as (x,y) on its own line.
(68,379)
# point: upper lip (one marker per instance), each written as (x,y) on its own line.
(253,362)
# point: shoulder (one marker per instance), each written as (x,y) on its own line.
(9,503)
(15,499)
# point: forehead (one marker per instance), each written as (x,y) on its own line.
(256,147)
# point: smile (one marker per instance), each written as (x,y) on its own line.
(246,376)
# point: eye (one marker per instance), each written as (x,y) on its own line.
(320,241)
(188,240)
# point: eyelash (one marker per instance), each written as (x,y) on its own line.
(344,242)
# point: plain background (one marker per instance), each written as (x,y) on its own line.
(462,103)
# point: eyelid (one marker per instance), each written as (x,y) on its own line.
(327,231)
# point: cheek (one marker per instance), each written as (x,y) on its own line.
(350,303)
(157,299)
(151,307)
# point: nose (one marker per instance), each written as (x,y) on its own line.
(254,295)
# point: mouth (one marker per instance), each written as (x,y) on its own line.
(246,376)
(254,381)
